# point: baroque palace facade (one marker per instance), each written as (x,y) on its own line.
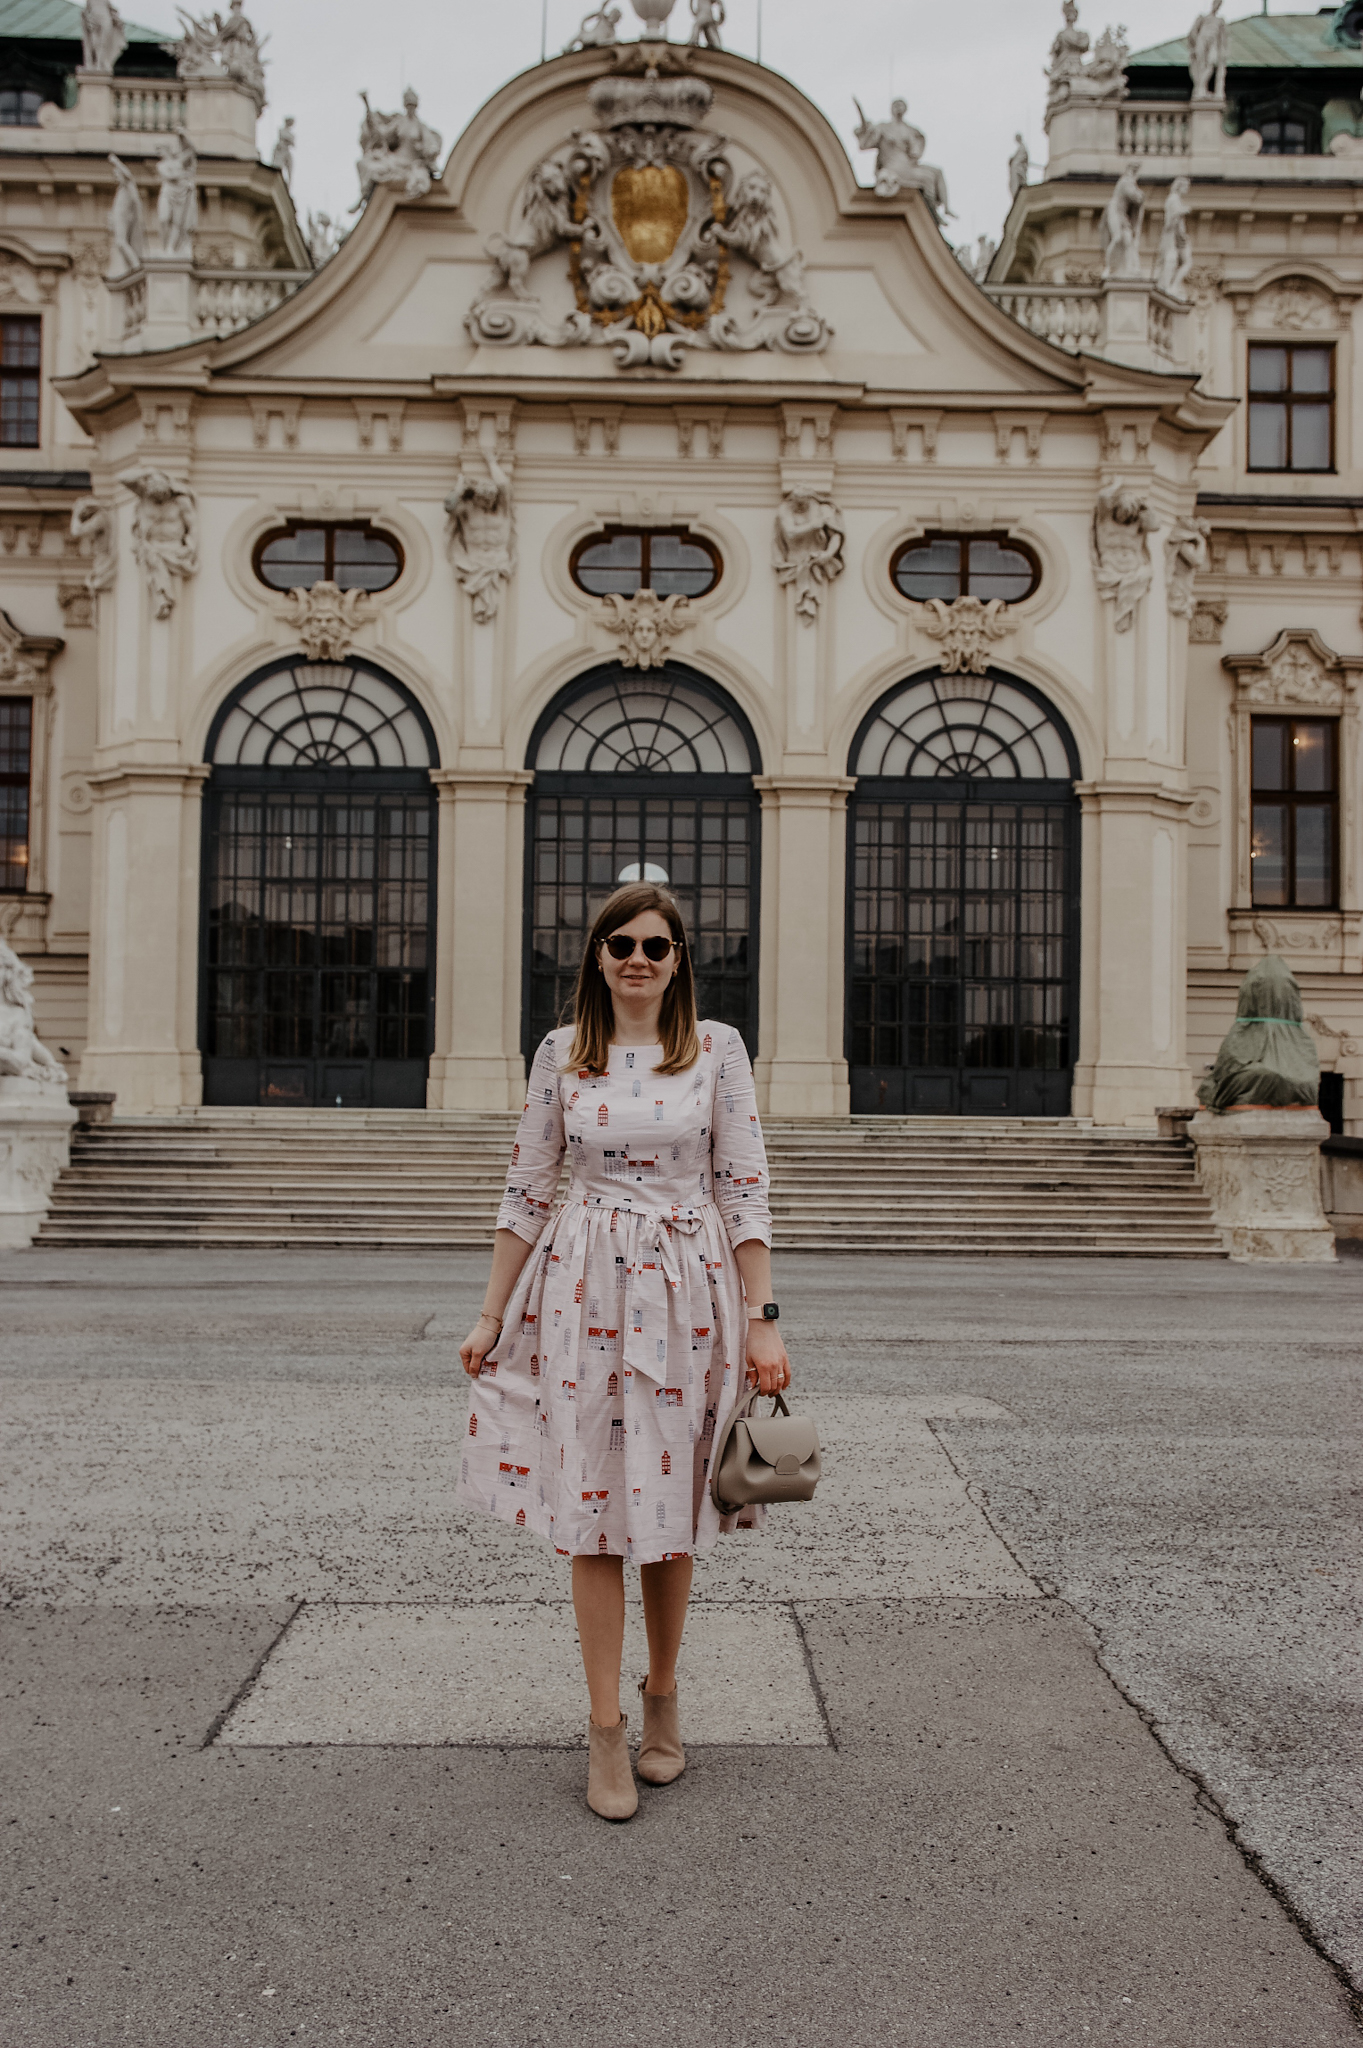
(973,645)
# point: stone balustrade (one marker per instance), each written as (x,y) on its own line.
(1126,319)
(1153,128)
(144,109)
(1071,316)
(226,300)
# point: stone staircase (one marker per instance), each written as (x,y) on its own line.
(412,1180)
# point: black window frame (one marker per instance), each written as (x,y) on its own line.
(19,380)
(1288,399)
(964,541)
(646,535)
(329,527)
(27,105)
(1281,110)
(13,779)
(1293,799)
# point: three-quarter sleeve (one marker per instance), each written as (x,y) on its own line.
(537,1155)
(742,1182)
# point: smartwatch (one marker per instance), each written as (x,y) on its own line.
(768,1313)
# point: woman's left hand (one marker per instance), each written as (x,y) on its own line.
(768,1365)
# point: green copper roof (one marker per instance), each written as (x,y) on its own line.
(1274,42)
(59,21)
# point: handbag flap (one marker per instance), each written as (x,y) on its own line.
(782,1436)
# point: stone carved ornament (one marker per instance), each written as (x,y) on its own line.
(1073,74)
(1298,669)
(285,144)
(1186,556)
(1122,524)
(807,549)
(647,206)
(966,628)
(23,1056)
(326,618)
(646,624)
(127,223)
(1209,54)
(324,238)
(708,18)
(1019,168)
(177,208)
(92,527)
(899,148)
(165,535)
(396,149)
(213,48)
(597,31)
(1120,231)
(1174,256)
(103,36)
(483,537)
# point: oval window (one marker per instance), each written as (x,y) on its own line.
(352,557)
(623,560)
(949,566)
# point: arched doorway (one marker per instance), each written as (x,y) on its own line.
(643,776)
(963,910)
(317,930)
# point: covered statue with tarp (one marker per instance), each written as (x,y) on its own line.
(1268,1058)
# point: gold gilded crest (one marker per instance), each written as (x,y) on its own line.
(650,204)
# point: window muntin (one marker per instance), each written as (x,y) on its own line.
(352,557)
(322,715)
(622,560)
(21,355)
(1287,128)
(16,763)
(19,107)
(949,566)
(1294,833)
(966,728)
(629,725)
(1291,407)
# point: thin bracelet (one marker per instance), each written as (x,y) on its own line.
(486,1316)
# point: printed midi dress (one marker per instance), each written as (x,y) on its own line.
(623,1348)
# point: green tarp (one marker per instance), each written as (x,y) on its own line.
(1268,1058)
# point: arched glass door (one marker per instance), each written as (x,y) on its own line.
(643,777)
(963,912)
(319,862)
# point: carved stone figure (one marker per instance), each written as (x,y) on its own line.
(127,223)
(1070,47)
(1019,168)
(325,619)
(165,535)
(177,208)
(899,147)
(1268,1058)
(597,32)
(397,149)
(213,48)
(103,36)
(975,262)
(647,624)
(709,19)
(1122,524)
(807,551)
(1106,73)
(1102,77)
(1209,54)
(652,219)
(323,237)
(1186,556)
(1174,256)
(1123,219)
(966,627)
(483,537)
(23,1056)
(285,142)
(92,527)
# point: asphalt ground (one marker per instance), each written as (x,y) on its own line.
(1041,1724)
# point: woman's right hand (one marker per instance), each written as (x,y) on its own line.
(481,1339)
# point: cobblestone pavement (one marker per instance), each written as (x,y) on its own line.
(1041,1724)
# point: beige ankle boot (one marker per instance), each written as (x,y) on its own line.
(611,1790)
(661,1756)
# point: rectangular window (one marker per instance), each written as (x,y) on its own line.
(21,355)
(1294,833)
(1291,407)
(16,752)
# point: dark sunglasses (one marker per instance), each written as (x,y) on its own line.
(622,948)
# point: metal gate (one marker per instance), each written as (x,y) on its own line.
(318,918)
(963,905)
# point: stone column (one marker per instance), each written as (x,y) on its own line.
(477,1062)
(144,936)
(802,1070)
(1261,1170)
(1133,984)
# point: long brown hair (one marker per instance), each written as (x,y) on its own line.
(593,1010)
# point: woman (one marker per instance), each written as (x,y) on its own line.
(618,1327)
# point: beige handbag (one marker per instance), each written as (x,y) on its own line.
(764,1458)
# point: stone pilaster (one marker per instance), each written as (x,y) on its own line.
(802,1069)
(477,1061)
